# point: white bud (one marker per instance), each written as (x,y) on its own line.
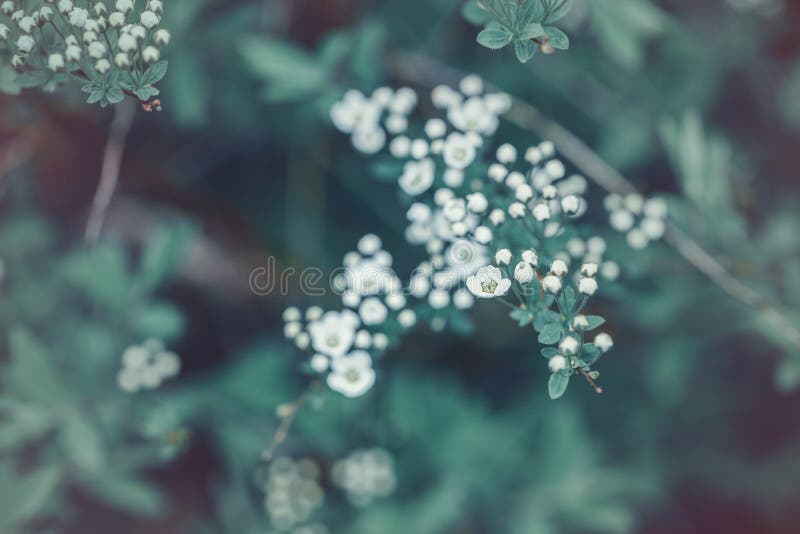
(483,235)
(570,205)
(523,273)
(551,284)
(603,342)
(523,192)
(589,269)
(541,212)
(530,257)
(558,267)
(506,153)
(557,363)
(502,256)
(587,286)
(569,346)
(516,210)
(497,217)
(580,323)
(477,203)
(463,299)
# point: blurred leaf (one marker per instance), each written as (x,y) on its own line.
(82,442)
(163,253)
(33,374)
(495,38)
(557,384)
(21,499)
(127,493)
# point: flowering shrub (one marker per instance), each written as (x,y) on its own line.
(112,48)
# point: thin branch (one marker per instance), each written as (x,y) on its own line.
(287,413)
(428,71)
(124,113)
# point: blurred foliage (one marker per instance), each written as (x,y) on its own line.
(695,100)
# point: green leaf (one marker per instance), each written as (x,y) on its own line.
(33,373)
(557,384)
(82,442)
(594,321)
(125,492)
(494,38)
(96,96)
(549,352)
(531,31)
(556,38)
(556,9)
(153,74)
(115,95)
(32,79)
(522,316)
(550,334)
(23,498)
(590,354)
(22,424)
(524,50)
(160,320)
(291,74)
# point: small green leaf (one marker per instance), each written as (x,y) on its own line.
(524,50)
(33,373)
(594,322)
(556,9)
(531,31)
(154,74)
(557,384)
(494,38)
(556,38)
(550,334)
(549,352)
(82,443)
(96,96)
(522,316)
(115,95)
(474,13)
(24,498)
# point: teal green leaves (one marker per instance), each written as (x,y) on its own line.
(519,22)
(557,384)
(551,333)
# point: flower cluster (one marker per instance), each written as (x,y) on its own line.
(466,197)
(343,343)
(292,493)
(114,49)
(641,220)
(146,366)
(364,475)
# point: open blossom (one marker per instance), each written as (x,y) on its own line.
(352,375)
(458,151)
(417,177)
(333,334)
(488,282)
(372,311)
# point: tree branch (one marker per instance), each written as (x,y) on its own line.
(429,72)
(124,113)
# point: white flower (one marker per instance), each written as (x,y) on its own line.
(417,177)
(530,257)
(523,273)
(352,375)
(497,172)
(587,286)
(634,202)
(580,323)
(603,342)
(367,139)
(127,43)
(395,301)
(576,247)
(26,24)
(149,19)
(73,53)
(471,85)
(621,220)
(443,96)
(463,299)
(17,61)
(506,153)
(653,228)
(483,235)
(441,196)
(549,192)
(637,239)
(459,229)
(25,43)
(89,37)
(589,269)
(351,299)
(407,318)
(541,212)
(533,155)
(122,60)
(555,169)
(516,210)
(97,49)
(291,314)
(78,17)
(435,128)
(570,205)
(453,177)
(3,32)
(655,208)
(124,5)
(102,66)
(523,192)
(514,180)
(372,311)
(473,115)
(400,146)
(558,268)
(438,299)
(55,62)
(116,20)
(498,216)
(7,7)
(380,341)
(146,366)
(363,339)
(319,363)
(161,37)
(403,101)
(396,123)
(333,333)
(551,284)
(458,151)
(609,270)
(596,246)
(557,363)
(290,330)
(418,212)
(455,209)
(477,203)
(569,346)
(488,282)
(502,257)
(369,244)
(302,340)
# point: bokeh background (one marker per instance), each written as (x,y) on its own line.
(697,430)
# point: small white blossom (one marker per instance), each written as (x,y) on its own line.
(580,323)
(502,256)
(517,210)
(603,342)
(26,24)
(541,212)
(407,318)
(122,60)
(497,172)
(97,49)
(530,257)
(25,43)
(453,177)
(438,298)
(149,19)
(471,85)
(78,17)
(514,180)
(372,311)
(523,273)
(523,192)
(418,212)
(587,286)
(609,270)
(369,244)
(569,346)
(653,228)
(313,313)
(124,5)
(655,208)
(435,128)
(319,363)
(162,37)
(151,54)
(557,363)
(483,235)
(621,220)
(570,205)
(498,216)
(506,153)
(363,339)
(290,330)
(352,375)
(551,284)
(463,299)
(488,282)
(417,177)
(477,203)
(455,209)
(637,239)
(334,332)
(116,20)
(55,62)
(102,66)
(458,151)
(634,202)
(589,269)
(380,341)
(558,268)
